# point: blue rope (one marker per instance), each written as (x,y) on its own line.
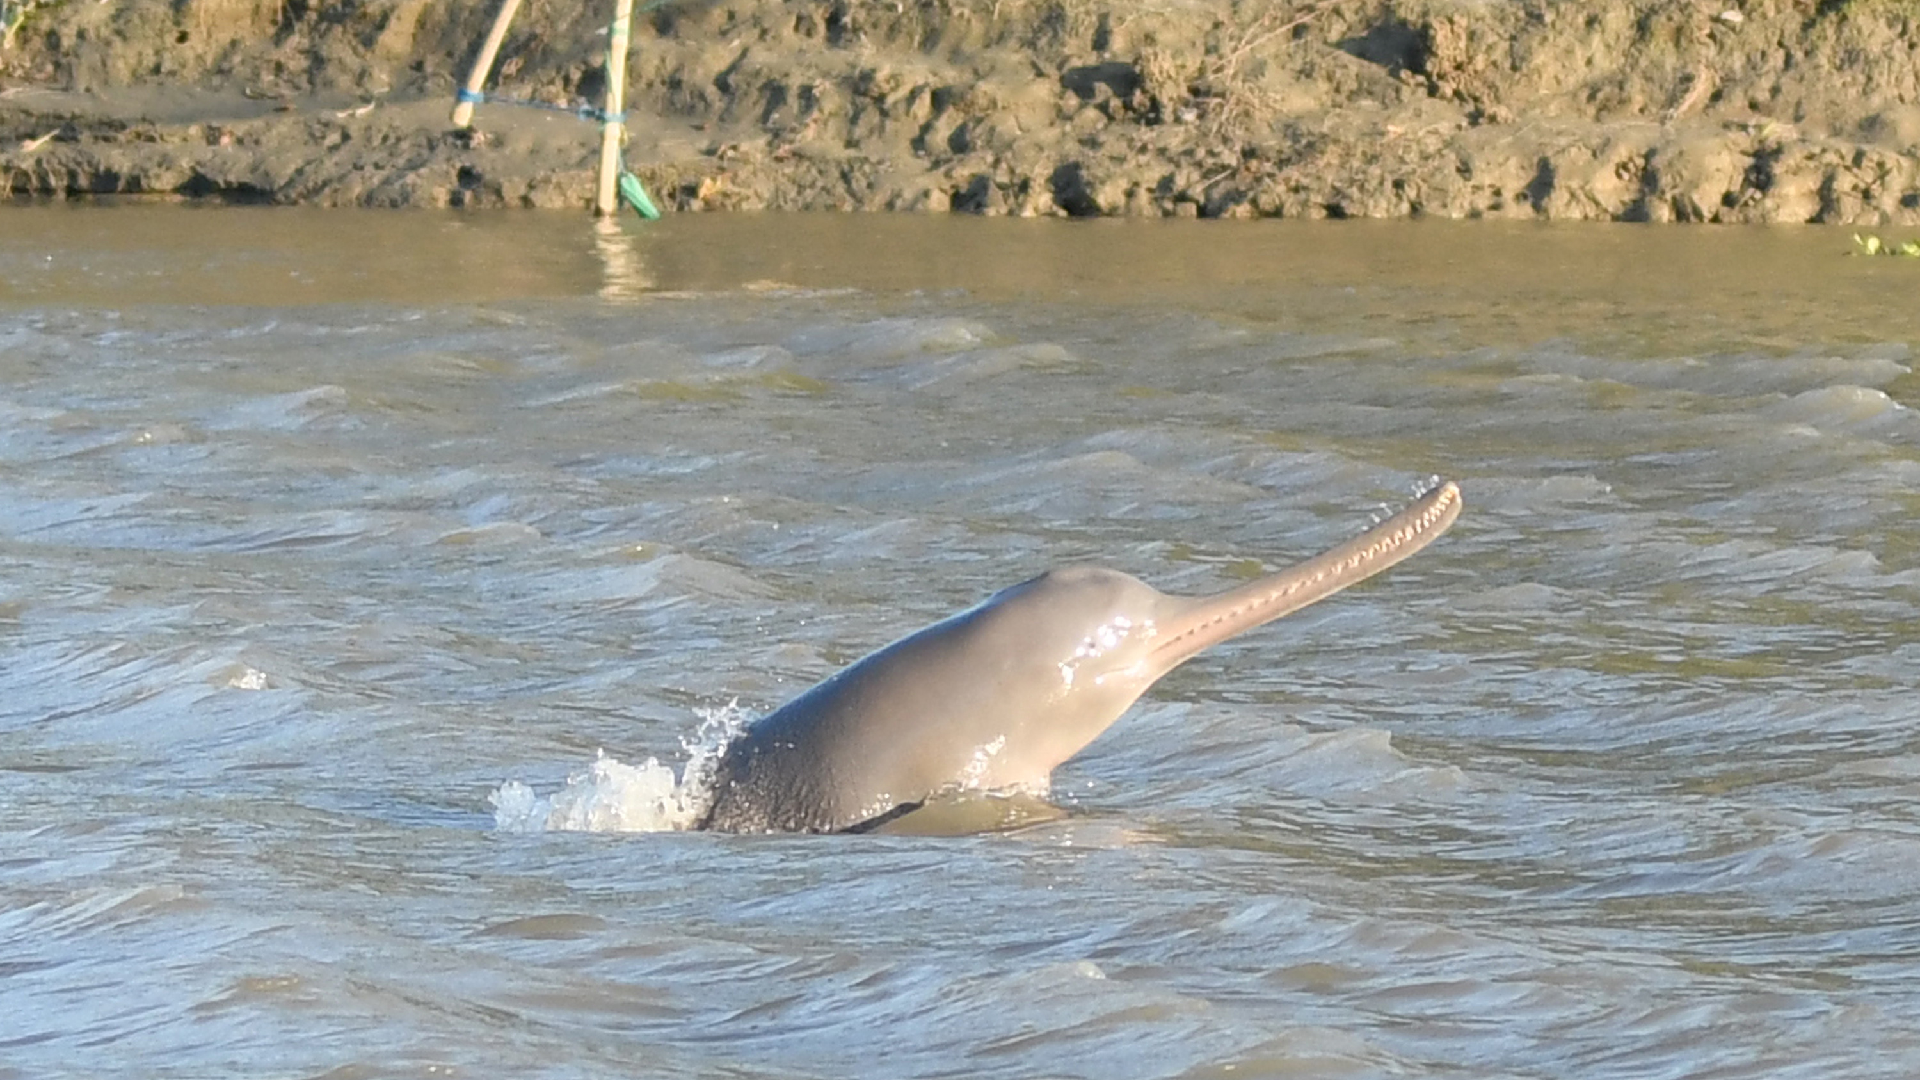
(584,112)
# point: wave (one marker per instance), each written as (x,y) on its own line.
(612,796)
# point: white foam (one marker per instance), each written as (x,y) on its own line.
(609,796)
(612,796)
(244,677)
(1842,407)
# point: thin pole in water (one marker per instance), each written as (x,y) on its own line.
(613,127)
(477,78)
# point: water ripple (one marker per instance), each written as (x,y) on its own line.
(1618,779)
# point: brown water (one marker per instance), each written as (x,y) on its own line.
(316,529)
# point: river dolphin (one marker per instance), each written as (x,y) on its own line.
(992,699)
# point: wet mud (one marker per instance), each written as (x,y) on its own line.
(1654,110)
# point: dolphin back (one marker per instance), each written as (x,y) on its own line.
(882,735)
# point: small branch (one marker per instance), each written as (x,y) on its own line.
(1255,37)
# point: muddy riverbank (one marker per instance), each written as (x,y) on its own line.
(1652,110)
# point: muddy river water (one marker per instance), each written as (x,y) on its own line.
(353,566)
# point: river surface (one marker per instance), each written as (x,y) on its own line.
(353,566)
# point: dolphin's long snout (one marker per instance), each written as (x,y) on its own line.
(1210,620)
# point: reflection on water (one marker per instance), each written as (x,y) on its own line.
(623,274)
(316,530)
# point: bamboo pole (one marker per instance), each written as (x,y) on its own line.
(613,127)
(477,78)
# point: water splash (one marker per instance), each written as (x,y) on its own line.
(612,796)
(1420,489)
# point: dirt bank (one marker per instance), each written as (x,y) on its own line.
(1657,110)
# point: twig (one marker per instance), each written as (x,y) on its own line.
(1225,68)
(1703,81)
(1255,39)
(1214,178)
